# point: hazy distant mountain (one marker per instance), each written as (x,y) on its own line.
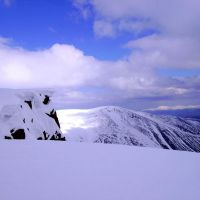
(186,113)
(121,126)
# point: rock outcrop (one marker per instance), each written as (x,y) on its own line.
(28,115)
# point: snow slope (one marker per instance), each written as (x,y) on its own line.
(122,126)
(39,170)
(27,114)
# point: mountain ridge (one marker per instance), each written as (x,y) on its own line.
(111,124)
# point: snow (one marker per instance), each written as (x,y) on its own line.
(41,170)
(49,170)
(17,114)
(7,97)
(75,123)
(111,124)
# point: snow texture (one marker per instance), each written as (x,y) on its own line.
(122,126)
(28,115)
(39,170)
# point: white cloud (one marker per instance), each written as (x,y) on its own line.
(174,16)
(178,107)
(176,44)
(133,26)
(176,23)
(104,28)
(60,65)
(64,66)
(179,52)
(8,3)
(4,41)
(84,9)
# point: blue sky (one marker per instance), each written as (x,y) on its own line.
(39,24)
(98,52)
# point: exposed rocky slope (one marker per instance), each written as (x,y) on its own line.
(122,126)
(28,115)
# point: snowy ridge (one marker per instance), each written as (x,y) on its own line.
(28,115)
(122,126)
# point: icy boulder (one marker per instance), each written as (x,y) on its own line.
(28,115)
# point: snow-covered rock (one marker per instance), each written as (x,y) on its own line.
(122,126)
(26,114)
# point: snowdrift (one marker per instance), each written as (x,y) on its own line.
(39,170)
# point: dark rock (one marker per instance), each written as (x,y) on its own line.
(46,135)
(18,134)
(57,136)
(46,100)
(12,130)
(8,138)
(53,115)
(29,103)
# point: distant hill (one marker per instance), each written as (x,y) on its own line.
(186,113)
(117,125)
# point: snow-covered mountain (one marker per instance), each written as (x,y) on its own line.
(27,114)
(121,126)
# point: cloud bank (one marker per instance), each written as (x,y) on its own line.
(175,25)
(64,66)
(172,41)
